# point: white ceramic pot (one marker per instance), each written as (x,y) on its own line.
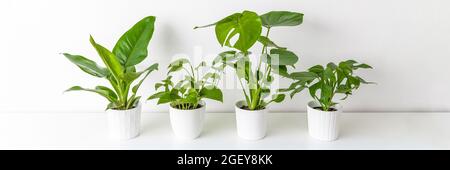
(323,125)
(124,124)
(251,124)
(187,124)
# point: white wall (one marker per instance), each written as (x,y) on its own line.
(406,41)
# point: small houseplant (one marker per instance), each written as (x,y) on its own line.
(124,109)
(324,83)
(241,31)
(187,109)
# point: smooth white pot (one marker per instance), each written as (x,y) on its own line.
(124,124)
(187,124)
(251,124)
(323,125)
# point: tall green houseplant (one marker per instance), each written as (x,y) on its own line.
(241,31)
(120,66)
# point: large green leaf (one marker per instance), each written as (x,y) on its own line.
(212,92)
(281,18)
(109,59)
(131,49)
(281,57)
(87,65)
(101,90)
(303,76)
(247,24)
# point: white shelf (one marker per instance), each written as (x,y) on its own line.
(286,131)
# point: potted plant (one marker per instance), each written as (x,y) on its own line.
(187,109)
(240,31)
(323,84)
(124,109)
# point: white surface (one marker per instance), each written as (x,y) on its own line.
(406,41)
(286,131)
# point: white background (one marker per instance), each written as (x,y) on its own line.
(406,41)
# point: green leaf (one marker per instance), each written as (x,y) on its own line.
(332,66)
(281,18)
(131,49)
(247,24)
(129,77)
(280,70)
(109,59)
(318,69)
(87,65)
(326,92)
(363,66)
(329,75)
(313,89)
(212,92)
(363,81)
(169,97)
(177,65)
(243,68)
(148,70)
(211,75)
(297,90)
(202,64)
(103,91)
(277,98)
(267,42)
(111,106)
(225,57)
(342,89)
(157,95)
(134,102)
(303,76)
(158,85)
(178,62)
(280,57)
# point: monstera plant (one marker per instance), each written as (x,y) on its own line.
(241,31)
(120,66)
(324,84)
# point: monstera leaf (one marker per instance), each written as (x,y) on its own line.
(281,18)
(247,25)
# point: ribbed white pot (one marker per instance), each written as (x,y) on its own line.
(124,124)
(323,125)
(251,124)
(187,124)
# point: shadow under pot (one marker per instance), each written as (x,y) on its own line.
(124,124)
(187,124)
(323,125)
(251,124)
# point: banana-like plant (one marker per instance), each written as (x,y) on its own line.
(242,31)
(120,70)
